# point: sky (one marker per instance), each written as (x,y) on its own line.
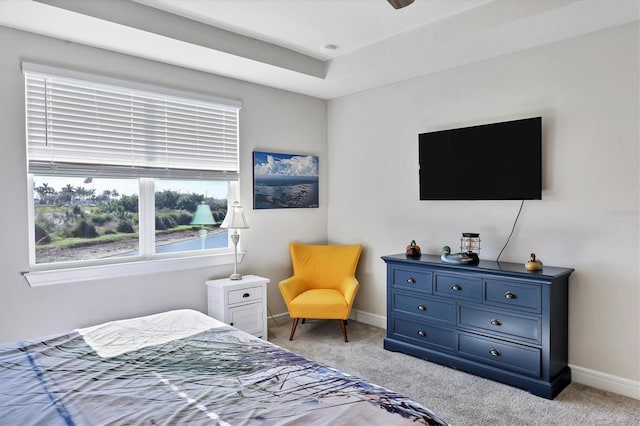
(272,164)
(217,190)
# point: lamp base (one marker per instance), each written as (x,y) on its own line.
(235,276)
(473,256)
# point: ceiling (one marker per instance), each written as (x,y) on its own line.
(305,26)
(282,43)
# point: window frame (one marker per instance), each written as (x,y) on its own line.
(101,269)
(147,261)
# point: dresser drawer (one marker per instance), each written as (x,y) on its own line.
(514,295)
(511,326)
(425,307)
(245,295)
(514,357)
(411,279)
(458,286)
(423,334)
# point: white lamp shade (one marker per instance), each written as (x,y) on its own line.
(235,218)
(203,216)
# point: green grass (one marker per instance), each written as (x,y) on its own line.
(81,242)
(108,238)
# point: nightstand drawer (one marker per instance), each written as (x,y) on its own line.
(513,326)
(245,295)
(412,279)
(458,286)
(425,307)
(515,357)
(514,295)
(418,332)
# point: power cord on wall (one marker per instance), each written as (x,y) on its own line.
(271,316)
(512,229)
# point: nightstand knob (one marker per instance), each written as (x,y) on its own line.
(494,352)
(245,295)
(496,322)
(411,280)
(456,287)
(422,333)
(510,295)
(422,308)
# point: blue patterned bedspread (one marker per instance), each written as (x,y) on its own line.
(218,376)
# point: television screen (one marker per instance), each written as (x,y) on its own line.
(498,161)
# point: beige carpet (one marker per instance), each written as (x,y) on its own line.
(459,398)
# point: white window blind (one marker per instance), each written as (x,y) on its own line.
(86,128)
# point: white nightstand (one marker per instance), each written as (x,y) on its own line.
(240,303)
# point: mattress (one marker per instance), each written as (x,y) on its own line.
(183,367)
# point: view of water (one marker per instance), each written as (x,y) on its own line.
(212,241)
(285,192)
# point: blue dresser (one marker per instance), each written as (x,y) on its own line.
(494,319)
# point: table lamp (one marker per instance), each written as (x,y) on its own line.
(203,217)
(235,220)
(470,245)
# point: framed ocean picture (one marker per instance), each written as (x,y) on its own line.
(282,181)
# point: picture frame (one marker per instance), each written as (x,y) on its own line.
(282,181)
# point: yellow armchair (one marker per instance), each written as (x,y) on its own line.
(323,285)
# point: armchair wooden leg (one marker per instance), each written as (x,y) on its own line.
(293,327)
(343,325)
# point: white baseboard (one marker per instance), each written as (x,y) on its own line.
(605,382)
(368,318)
(284,316)
(360,316)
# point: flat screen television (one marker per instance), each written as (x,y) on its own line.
(497,161)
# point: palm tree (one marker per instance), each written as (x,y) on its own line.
(82,192)
(67,193)
(44,191)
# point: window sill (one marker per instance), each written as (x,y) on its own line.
(103,272)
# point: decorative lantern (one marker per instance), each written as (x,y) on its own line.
(470,244)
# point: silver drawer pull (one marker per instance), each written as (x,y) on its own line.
(456,287)
(422,308)
(494,352)
(496,322)
(411,280)
(422,333)
(510,295)
(246,295)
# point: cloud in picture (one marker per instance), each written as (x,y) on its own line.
(269,164)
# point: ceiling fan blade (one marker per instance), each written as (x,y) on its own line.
(399,4)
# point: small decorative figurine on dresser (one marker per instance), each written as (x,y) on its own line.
(533,264)
(413,249)
(469,248)
(455,258)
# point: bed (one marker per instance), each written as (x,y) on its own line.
(183,367)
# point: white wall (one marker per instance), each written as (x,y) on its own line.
(586,90)
(270,120)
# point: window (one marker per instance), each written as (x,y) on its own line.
(118,169)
